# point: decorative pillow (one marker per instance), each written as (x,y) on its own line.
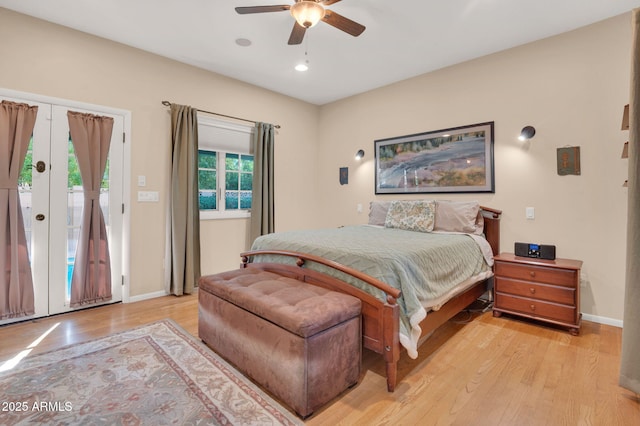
(378,212)
(458,216)
(416,215)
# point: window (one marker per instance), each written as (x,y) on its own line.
(231,171)
(238,178)
(207,180)
(225,169)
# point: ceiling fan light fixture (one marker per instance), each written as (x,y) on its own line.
(307,13)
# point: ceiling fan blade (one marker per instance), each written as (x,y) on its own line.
(329,2)
(262,9)
(297,34)
(342,23)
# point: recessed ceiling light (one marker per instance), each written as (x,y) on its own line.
(302,67)
(244,42)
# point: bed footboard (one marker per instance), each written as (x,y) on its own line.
(380,320)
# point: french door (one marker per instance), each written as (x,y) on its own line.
(51,197)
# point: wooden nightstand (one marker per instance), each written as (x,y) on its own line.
(545,290)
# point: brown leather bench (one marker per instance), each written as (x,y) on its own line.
(299,341)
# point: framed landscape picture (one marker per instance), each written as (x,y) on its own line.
(459,159)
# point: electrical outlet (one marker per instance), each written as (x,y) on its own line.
(148,196)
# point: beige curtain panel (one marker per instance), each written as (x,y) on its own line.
(16,282)
(630,359)
(262,202)
(91,280)
(184,210)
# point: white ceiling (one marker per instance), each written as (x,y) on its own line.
(404,38)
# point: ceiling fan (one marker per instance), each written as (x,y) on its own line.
(307,13)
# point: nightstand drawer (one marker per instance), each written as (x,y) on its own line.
(536,308)
(533,290)
(564,277)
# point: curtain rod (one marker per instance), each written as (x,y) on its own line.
(167,103)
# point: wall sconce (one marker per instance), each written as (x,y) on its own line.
(359,154)
(527,133)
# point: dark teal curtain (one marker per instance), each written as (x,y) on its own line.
(184,212)
(262,203)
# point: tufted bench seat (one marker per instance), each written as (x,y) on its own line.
(299,341)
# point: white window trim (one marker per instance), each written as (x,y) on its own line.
(209,146)
(226,214)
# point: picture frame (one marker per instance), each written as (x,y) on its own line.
(344,175)
(458,159)
(568,159)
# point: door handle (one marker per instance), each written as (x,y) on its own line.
(40,217)
(40,166)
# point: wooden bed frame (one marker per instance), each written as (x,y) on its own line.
(381,321)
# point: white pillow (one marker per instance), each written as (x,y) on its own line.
(459,216)
(378,212)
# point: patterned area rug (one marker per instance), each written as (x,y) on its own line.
(156,374)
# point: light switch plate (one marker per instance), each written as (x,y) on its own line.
(530,213)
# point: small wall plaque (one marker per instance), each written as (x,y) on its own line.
(569,160)
(344,175)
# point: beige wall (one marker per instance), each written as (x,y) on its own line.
(571,88)
(46,59)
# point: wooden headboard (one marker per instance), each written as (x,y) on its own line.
(492,227)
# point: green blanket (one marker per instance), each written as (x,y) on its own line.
(424,266)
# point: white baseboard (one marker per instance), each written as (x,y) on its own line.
(587,317)
(146,296)
(602,320)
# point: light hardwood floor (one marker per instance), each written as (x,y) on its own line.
(489,371)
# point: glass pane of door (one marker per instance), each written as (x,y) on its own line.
(25,182)
(75,198)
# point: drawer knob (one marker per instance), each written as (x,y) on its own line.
(532,290)
(533,307)
(532,273)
